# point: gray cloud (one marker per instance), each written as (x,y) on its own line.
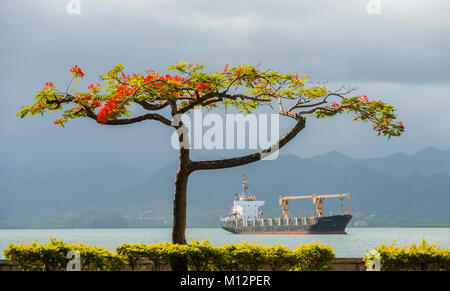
(401,55)
(331,40)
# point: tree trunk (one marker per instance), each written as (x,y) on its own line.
(179,206)
(179,214)
(179,200)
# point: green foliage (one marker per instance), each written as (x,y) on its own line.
(98,259)
(249,256)
(200,256)
(158,254)
(380,114)
(313,257)
(174,252)
(203,256)
(422,257)
(53,256)
(279,258)
(36,257)
(225,259)
(132,253)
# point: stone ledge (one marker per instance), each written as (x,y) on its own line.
(348,264)
(339,264)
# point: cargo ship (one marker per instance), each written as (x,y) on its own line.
(246,217)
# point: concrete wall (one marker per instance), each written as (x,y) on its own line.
(339,264)
(348,264)
(7,265)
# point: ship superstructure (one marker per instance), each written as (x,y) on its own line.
(246,206)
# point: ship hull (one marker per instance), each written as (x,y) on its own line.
(335,224)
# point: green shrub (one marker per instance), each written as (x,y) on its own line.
(199,256)
(313,257)
(174,253)
(98,259)
(203,256)
(53,256)
(24,256)
(279,258)
(35,257)
(422,257)
(225,259)
(158,254)
(249,256)
(132,253)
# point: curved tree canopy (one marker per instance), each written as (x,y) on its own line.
(243,87)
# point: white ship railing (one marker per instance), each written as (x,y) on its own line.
(269,221)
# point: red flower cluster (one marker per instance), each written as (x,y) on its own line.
(107,111)
(123,90)
(200,86)
(48,85)
(197,86)
(59,121)
(175,78)
(384,123)
(363,98)
(334,106)
(155,77)
(96,103)
(77,72)
(94,87)
(110,109)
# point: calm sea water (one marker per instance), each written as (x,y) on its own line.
(354,244)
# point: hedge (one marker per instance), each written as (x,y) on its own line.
(200,256)
(53,256)
(203,256)
(313,257)
(422,257)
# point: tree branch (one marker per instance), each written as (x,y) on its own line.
(239,161)
(221,97)
(148,116)
(150,106)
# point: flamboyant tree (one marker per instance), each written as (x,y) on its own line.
(242,87)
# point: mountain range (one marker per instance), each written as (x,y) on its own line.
(391,191)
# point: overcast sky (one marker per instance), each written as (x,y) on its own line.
(401,56)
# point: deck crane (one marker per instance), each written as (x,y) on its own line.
(318,200)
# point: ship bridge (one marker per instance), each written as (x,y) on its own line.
(246,206)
